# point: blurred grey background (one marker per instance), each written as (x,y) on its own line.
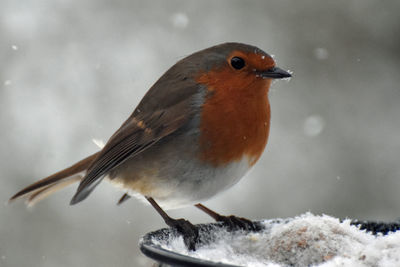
(71,71)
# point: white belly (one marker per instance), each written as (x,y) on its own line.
(190,185)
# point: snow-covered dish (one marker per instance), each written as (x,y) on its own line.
(306,240)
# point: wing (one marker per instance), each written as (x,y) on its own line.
(138,133)
(165,108)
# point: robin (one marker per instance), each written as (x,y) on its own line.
(195,133)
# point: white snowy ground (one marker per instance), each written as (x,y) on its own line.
(302,241)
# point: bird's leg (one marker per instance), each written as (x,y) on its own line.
(232,222)
(189,232)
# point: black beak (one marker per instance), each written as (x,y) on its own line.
(275,73)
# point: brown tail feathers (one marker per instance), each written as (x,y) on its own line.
(49,185)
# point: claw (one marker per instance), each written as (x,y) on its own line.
(239,223)
(190,233)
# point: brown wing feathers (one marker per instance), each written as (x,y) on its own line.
(134,136)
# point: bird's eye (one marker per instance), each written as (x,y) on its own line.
(237,62)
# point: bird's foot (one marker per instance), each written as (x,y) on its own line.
(189,231)
(239,223)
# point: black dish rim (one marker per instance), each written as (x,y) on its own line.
(159,254)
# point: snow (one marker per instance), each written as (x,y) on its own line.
(301,241)
(321,53)
(313,125)
(288,78)
(180,20)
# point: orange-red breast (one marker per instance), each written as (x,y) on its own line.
(195,133)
